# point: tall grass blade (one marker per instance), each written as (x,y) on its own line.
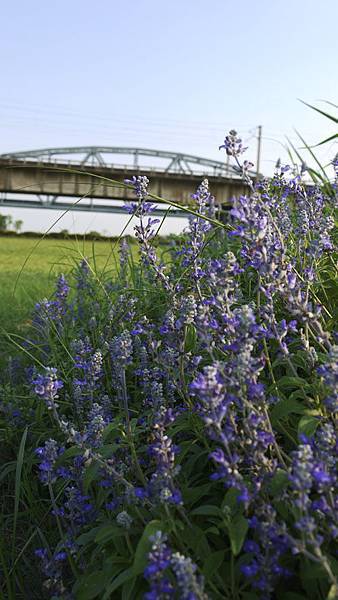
(10,337)
(322,112)
(313,155)
(313,174)
(330,103)
(18,473)
(7,580)
(291,155)
(329,139)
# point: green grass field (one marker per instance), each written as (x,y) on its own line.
(28,268)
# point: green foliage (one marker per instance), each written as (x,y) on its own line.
(237,529)
(213,527)
(214,523)
(5,222)
(318,177)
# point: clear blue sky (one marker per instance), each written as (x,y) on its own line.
(169,75)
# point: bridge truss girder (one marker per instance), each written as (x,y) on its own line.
(177,162)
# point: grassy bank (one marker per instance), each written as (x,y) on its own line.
(28,268)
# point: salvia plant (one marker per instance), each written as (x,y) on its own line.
(171,432)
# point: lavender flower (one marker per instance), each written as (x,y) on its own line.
(263,567)
(140,185)
(233,144)
(77,508)
(47,386)
(52,567)
(124,519)
(190,585)
(158,562)
(329,374)
(301,477)
(187,311)
(88,364)
(121,348)
(191,252)
(62,291)
(162,485)
(48,456)
(124,257)
(97,422)
(145,231)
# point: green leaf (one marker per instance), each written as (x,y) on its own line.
(311,574)
(314,579)
(7,469)
(195,538)
(213,529)
(128,589)
(191,495)
(90,475)
(313,155)
(329,139)
(237,530)
(69,453)
(298,394)
(301,359)
(325,114)
(111,432)
(200,456)
(190,338)
(314,174)
(202,547)
(330,103)
(114,565)
(285,407)
(292,596)
(333,564)
(89,586)
(286,382)
(208,509)
(18,472)
(308,425)
(108,532)
(333,592)
(85,538)
(230,500)
(213,562)
(279,482)
(144,546)
(107,451)
(282,509)
(117,582)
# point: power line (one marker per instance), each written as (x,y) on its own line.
(131,118)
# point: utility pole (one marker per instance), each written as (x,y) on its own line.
(259,143)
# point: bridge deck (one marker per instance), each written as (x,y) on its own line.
(40,184)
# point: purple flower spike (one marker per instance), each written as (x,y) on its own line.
(233,144)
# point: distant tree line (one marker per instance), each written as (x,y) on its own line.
(7,222)
(11,228)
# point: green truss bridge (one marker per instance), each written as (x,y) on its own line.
(67,178)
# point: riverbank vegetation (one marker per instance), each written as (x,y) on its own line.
(169,423)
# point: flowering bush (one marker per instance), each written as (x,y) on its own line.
(179,421)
